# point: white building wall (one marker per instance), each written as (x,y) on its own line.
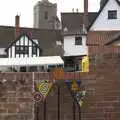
(30,51)
(74,50)
(17,43)
(13,51)
(103,23)
(17,56)
(37,52)
(21,41)
(26,40)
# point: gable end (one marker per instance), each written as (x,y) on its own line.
(102,7)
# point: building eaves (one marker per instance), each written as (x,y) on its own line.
(113,39)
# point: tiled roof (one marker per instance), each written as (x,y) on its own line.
(47,38)
(74,21)
(95,38)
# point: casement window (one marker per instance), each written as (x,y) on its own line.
(112,14)
(78,40)
(21,49)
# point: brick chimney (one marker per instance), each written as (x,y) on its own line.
(85,16)
(17,26)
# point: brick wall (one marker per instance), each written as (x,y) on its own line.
(16,101)
(101,83)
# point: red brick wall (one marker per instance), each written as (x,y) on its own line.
(103,100)
(16,101)
(101,83)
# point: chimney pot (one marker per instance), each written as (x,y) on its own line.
(17,20)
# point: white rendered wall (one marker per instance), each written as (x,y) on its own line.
(103,23)
(74,50)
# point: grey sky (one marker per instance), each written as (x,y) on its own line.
(24,8)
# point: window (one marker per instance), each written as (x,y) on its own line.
(78,40)
(34,50)
(112,14)
(25,48)
(17,48)
(21,49)
(45,15)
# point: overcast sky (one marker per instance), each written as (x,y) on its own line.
(24,8)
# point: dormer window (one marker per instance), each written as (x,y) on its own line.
(112,14)
(78,40)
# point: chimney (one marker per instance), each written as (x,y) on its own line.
(85,16)
(17,26)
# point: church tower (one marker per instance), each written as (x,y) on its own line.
(45,15)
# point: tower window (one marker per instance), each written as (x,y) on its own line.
(112,14)
(45,15)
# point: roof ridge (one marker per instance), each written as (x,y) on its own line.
(5,26)
(77,12)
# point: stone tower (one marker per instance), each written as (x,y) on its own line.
(45,15)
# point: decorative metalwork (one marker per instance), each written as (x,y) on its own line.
(43,87)
(78,93)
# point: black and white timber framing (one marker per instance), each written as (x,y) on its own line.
(23,46)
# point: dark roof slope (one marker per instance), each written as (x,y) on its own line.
(101,8)
(7,34)
(47,38)
(74,21)
(98,38)
(113,39)
(102,2)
